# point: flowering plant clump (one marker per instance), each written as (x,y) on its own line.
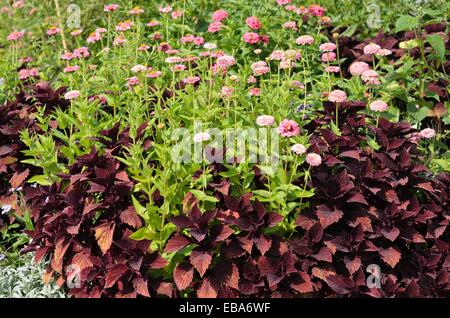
(227,149)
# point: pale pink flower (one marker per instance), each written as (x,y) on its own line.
(313,159)
(304,40)
(226,91)
(251,79)
(214,27)
(18,4)
(199,40)
(94,37)
(277,55)
(384,52)
(143,47)
(101,30)
(154,74)
(337,96)
(357,68)
(285,64)
(253,23)
(292,55)
(178,67)
(15,35)
(173,59)
(251,37)
(27,73)
(328,57)
(260,68)
(371,49)
(176,14)
(290,25)
(153,23)
(136,10)
(378,106)
(298,149)
(124,25)
(72,94)
(254,91)
(210,46)
(71,69)
(191,80)
(370,77)
(219,15)
(226,61)
(288,128)
(201,137)
(110,7)
(53,31)
(265,120)
(427,133)
(138,68)
(132,81)
(76,32)
(327,47)
(119,40)
(166,9)
(332,69)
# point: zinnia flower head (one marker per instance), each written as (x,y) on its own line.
(200,137)
(265,120)
(370,77)
(290,25)
(427,133)
(110,7)
(15,35)
(132,81)
(253,23)
(226,91)
(260,68)
(316,10)
(288,128)
(71,69)
(384,52)
(210,46)
(378,106)
(328,57)
(337,96)
(166,9)
(138,68)
(219,15)
(72,94)
(226,61)
(191,79)
(254,91)
(313,159)
(327,47)
(277,55)
(214,27)
(304,40)
(298,149)
(371,49)
(357,68)
(251,37)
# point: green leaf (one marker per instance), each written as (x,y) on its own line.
(406,22)
(372,143)
(437,43)
(142,234)
(202,196)
(41,179)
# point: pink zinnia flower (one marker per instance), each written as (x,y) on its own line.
(378,106)
(327,47)
(288,128)
(260,68)
(176,14)
(427,133)
(201,137)
(219,15)
(71,69)
(178,67)
(254,91)
(371,49)
(251,79)
(370,77)
(166,9)
(384,52)
(94,37)
(119,40)
(214,27)
(143,47)
(283,2)
(226,61)
(298,149)
(290,25)
(136,10)
(316,10)
(277,55)
(14,36)
(53,30)
(210,46)
(72,95)
(328,57)
(199,40)
(337,96)
(191,79)
(251,37)
(110,7)
(153,23)
(304,40)
(313,159)
(138,68)
(76,32)
(265,120)
(154,74)
(357,68)
(27,73)
(253,23)
(132,81)
(332,69)
(124,25)
(226,91)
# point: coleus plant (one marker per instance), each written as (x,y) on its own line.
(375,203)
(84,222)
